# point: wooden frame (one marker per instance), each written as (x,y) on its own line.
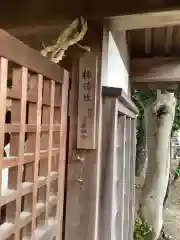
(156,69)
(118,154)
(145,20)
(16,51)
(36,162)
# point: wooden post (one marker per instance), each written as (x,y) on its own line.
(83,171)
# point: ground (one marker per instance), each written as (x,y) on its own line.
(172,212)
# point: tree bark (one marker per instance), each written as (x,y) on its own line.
(159,120)
(167,192)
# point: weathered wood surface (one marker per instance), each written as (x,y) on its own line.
(83,172)
(156,69)
(18,52)
(32,186)
(146,20)
(43,12)
(87,101)
(118,170)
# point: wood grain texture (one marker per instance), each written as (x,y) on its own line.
(109,204)
(36,138)
(33,200)
(3,92)
(44,12)
(122,131)
(113,92)
(16,51)
(117,180)
(146,20)
(83,172)
(62,161)
(24,81)
(50,144)
(132,178)
(156,69)
(127,194)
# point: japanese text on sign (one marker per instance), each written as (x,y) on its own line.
(87,102)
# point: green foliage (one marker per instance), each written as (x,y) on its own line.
(145,97)
(141,230)
(141,100)
(176,123)
(177,172)
(9,83)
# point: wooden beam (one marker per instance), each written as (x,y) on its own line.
(16,13)
(154,86)
(38,29)
(42,11)
(16,51)
(169,37)
(121,95)
(146,20)
(148,37)
(157,69)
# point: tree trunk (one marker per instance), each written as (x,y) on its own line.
(159,120)
(167,192)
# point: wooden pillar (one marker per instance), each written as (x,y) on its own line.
(132,178)
(82,208)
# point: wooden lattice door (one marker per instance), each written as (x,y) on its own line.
(33,120)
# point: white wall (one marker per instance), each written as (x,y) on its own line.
(116,72)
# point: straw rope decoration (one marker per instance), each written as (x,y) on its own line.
(74,33)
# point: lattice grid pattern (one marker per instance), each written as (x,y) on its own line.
(33,110)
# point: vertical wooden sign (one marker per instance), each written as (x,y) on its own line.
(86,132)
